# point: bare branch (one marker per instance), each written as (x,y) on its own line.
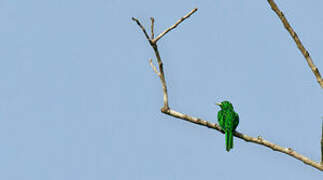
(153,43)
(152,27)
(142,28)
(165,109)
(298,42)
(162,77)
(175,25)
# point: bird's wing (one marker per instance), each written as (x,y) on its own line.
(221,119)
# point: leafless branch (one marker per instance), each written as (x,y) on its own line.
(153,43)
(175,25)
(298,42)
(259,140)
(142,28)
(166,110)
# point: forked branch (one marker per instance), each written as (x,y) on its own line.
(166,110)
(153,43)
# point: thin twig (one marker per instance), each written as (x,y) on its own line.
(175,25)
(154,67)
(142,28)
(165,109)
(152,27)
(298,42)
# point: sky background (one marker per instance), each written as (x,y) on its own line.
(78,99)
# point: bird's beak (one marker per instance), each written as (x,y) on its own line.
(219,104)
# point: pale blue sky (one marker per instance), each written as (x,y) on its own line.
(78,99)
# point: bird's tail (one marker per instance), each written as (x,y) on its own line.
(228,140)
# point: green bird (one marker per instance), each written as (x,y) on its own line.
(228,120)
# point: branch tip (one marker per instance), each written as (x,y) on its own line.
(175,25)
(141,27)
(152,27)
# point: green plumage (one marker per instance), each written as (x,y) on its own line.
(228,120)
